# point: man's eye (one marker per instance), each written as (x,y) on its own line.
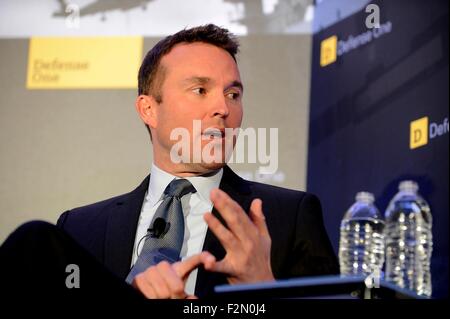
(200,91)
(233,95)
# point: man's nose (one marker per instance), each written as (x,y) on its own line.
(220,107)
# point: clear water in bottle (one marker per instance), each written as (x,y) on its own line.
(409,240)
(361,245)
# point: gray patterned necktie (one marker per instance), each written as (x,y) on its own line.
(167,245)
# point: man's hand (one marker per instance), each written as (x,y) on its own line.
(246,241)
(167,281)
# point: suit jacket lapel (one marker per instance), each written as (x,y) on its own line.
(121,230)
(238,189)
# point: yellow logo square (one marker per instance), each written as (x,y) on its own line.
(418,133)
(328,51)
(84,62)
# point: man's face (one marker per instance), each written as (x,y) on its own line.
(201,82)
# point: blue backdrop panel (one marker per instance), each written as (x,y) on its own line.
(362,106)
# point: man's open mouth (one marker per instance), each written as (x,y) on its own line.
(213,133)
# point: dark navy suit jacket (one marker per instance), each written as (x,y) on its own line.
(300,245)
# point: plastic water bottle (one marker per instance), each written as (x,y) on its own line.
(361,245)
(409,240)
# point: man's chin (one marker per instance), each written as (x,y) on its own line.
(193,169)
(213,166)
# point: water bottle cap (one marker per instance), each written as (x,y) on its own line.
(408,186)
(365,197)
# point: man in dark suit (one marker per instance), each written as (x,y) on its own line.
(193,75)
(233,230)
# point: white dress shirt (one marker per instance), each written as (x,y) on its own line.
(194,205)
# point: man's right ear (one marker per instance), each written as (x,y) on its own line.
(146,107)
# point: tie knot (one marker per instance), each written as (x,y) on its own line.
(179,187)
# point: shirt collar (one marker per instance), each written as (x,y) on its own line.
(159,180)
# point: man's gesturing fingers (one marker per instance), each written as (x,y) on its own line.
(246,240)
(257,216)
(165,281)
(184,268)
(237,220)
(225,236)
(151,284)
(173,282)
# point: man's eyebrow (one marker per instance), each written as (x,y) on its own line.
(237,84)
(197,80)
(204,80)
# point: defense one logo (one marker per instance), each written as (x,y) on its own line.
(328,51)
(418,133)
